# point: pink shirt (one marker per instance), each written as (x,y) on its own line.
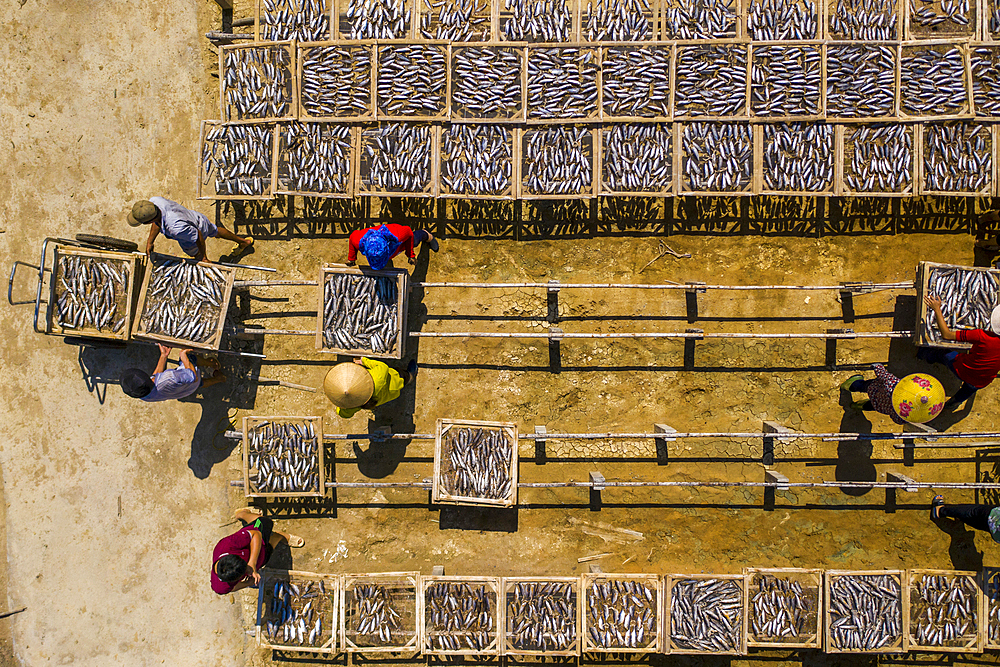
(237,544)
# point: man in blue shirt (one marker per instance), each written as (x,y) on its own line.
(189,228)
(164,385)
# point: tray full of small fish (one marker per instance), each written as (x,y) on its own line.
(297,611)
(944,611)
(237,161)
(985,66)
(706,614)
(934,81)
(863,20)
(621,613)
(362,311)
(637,158)
(299,20)
(411,80)
(460,615)
(257,82)
(541,616)
(90,293)
(716,158)
(968,296)
(379,613)
(618,20)
(184,303)
(537,20)
(283,457)
(475,463)
(455,20)
(487,83)
(700,19)
(478,161)
(558,162)
(878,160)
(711,80)
(990,627)
(798,158)
(786,81)
(861,80)
(941,18)
(864,612)
(315,160)
(397,159)
(635,81)
(562,83)
(957,158)
(336,81)
(783,20)
(784,608)
(374,19)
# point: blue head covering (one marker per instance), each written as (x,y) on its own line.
(378,245)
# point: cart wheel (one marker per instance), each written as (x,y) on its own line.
(96,342)
(107,242)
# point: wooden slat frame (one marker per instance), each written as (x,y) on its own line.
(438,492)
(304,47)
(595,168)
(403,297)
(212,343)
(672,56)
(339,18)
(679,115)
(820,46)
(593,117)
(442,46)
(913,34)
(898,647)
(293,111)
(989,578)
(329,580)
(249,423)
(201,189)
(457,115)
(974,643)
(650,581)
(758,155)
(845,135)
(401,580)
(922,281)
(430,191)
(821,21)
(669,581)
(679,155)
(963,49)
(501,16)
(832,38)
(654,14)
(993,46)
(667,191)
(987,190)
(893,116)
(507,586)
(740,34)
(811,580)
(420,10)
(352,162)
(131,259)
(492,584)
(510,194)
(259,12)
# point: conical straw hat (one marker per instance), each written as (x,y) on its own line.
(348,385)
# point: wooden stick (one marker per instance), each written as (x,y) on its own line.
(290,385)
(907,285)
(587,559)
(969,486)
(664,334)
(272,283)
(11,613)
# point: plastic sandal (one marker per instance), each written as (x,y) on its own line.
(295,541)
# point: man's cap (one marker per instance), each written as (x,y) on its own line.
(995,320)
(143,212)
(136,383)
(348,385)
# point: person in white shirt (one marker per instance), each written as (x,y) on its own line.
(189,228)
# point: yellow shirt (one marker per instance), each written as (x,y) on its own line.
(388,384)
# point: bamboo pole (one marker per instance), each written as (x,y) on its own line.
(606,484)
(272,283)
(664,334)
(906,285)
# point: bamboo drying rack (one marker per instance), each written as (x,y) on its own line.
(203,178)
(408,584)
(331,583)
(515,168)
(440,495)
(671,580)
(652,582)
(897,646)
(401,278)
(350,178)
(293,81)
(811,581)
(305,47)
(507,588)
(248,424)
(490,584)
(973,642)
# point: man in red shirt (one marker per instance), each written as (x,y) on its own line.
(237,558)
(977,367)
(381,244)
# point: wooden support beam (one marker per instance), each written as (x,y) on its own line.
(662,450)
(691,299)
(893,476)
(768,440)
(437,571)
(555,358)
(775,477)
(540,433)
(597,485)
(552,300)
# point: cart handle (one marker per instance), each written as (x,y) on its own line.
(10,283)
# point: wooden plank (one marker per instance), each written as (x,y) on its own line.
(652,582)
(132,261)
(971,642)
(440,495)
(898,646)
(491,586)
(405,587)
(401,278)
(811,581)
(508,585)
(249,422)
(669,582)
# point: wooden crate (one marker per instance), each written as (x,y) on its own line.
(811,582)
(987,56)
(588,147)
(438,492)
(587,54)
(364,186)
(922,281)
(971,641)
(402,587)
(949,29)
(478,28)
(989,628)
(609,112)
(313,21)
(249,423)
(651,582)
(509,586)
(680,80)
(896,646)
(401,278)
(364,78)
(592,27)
(681,163)
(265,611)
(939,45)
(464,82)
(559,24)
(281,169)
(139,330)
(757,55)
(208,164)
(836,24)
(664,190)
(752,34)
(849,138)
(923,132)
(343,26)
(859,84)
(761,143)
(670,581)
(514,144)
(382,76)
(290,112)
(128,291)
(669,33)
(429,631)
(989,30)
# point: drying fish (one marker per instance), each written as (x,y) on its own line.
(283,457)
(706,615)
(562,82)
(455,20)
(860,80)
(315,158)
(878,158)
(486,81)
(865,612)
(933,17)
(256,82)
(711,80)
(944,610)
(958,157)
(477,160)
(986,80)
(412,80)
(336,81)
(375,19)
(359,312)
(779,20)
(932,80)
(91,293)
(459,616)
(557,160)
(477,463)
(781,609)
(535,21)
(621,614)
(238,157)
(635,81)
(798,157)
(183,300)
(616,20)
(993,27)
(785,81)
(372,615)
(637,158)
(717,157)
(967,299)
(864,20)
(396,157)
(299,614)
(541,616)
(699,19)
(301,20)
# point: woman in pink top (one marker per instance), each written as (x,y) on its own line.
(237,558)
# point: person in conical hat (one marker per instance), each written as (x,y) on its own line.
(364,385)
(976,368)
(917,398)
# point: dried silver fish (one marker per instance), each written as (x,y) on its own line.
(944,610)
(535,21)
(477,462)
(91,293)
(183,300)
(786,81)
(360,313)
(300,613)
(486,81)
(412,80)
(336,81)
(798,157)
(706,615)
(301,20)
(455,20)
(968,297)
(314,158)
(557,160)
(637,158)
(860,80)
(635,81)
(717,157)
(866,612)
(782,609)
(932,80)
(617,21)
(781,20)
(375,19)
(621,614)
(283,457)
(957,157)
(237,159)
(864,20)
(396,157)
(562,82)
(711,80)
(986,80)
(878,158)
(699,19)
(257,82)
(460,616)
(541,616)
(477,160)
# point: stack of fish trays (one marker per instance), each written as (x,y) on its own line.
(878,160)
(488,83)
(75,280)
(336,81)
(373,19)
(475,463)
(784,608)
(970,290)
(379,613)
(412,80)
(298,611)
(957,158)
(705,614)
(622,613)
(636,82)
(864,611)
(257,82)
(542,616)
(559,162)
(299,20)
(796,159)
(989,628)
(315,160)
(637,159)
(172,296)
(273,464)
(863,20)
(935,81)
(563,83)
(460,615)
(619,20)
(479,161)
(537,20)
(943,610)
(455,20)
(365,309)
(236,161)
(927,19)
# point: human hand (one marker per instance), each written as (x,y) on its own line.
(411,260)
(255,575)
(933,301)
(164,350)
(358,362)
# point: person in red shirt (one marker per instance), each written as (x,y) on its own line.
(237,558)
(976,368)
(381,244)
